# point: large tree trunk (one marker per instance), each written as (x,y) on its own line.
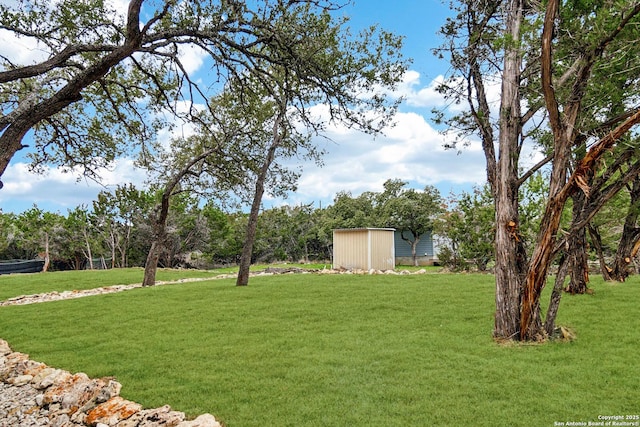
(250,236)
(578,263)
(157,245)
(151,265)
(543,253)
(510,256)
(510,267)
(518,301)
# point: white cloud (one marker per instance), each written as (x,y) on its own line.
(21,50)
(58,191)
(192,57)
(411,151)
(417,96)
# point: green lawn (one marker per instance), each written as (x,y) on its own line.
(26,284)
(316,350)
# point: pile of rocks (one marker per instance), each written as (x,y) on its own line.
(371,271)
(33,394)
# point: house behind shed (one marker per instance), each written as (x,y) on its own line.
(364,248)
(426,253)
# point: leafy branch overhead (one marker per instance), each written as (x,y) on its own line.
(99,82)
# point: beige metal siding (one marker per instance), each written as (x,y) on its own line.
(364,248)
(381,249)
(350,249)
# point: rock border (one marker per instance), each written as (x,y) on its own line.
(270,271)
(33,394)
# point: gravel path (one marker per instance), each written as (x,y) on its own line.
(56,296)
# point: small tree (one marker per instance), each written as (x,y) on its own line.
(468,230)
(80,237)
(411,212)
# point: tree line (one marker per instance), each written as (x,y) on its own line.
(116,230)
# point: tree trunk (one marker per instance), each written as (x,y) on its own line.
(252,224)
(511,261)
(414,246)
(113,247)
(157,245)
(556,295)
(510,255)
(250,236)
(630,239)
(45,267)
(414,251)
(596,241)
(577,252)
(578,263)
(160,224)
(541,259)
(159,236)
(88,245)
(151,265)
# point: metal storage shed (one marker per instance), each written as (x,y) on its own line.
(364,248)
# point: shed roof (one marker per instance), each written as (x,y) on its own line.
(363,229)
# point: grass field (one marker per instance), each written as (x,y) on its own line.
(27,284)
(316,350)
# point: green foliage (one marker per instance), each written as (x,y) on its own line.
(468,226)
(120,217)
(352,212)
(118,227)
(332,350)
(532,201)
(289,233)
(396,206)
(411,210)
(468,231)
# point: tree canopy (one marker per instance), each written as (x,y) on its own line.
(103,76)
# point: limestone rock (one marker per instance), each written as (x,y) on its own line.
(48,377)
(4,348)
(163,416)
(204,420)
(35,395)
(112,411)
(20,380)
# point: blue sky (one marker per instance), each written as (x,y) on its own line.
(411,150)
